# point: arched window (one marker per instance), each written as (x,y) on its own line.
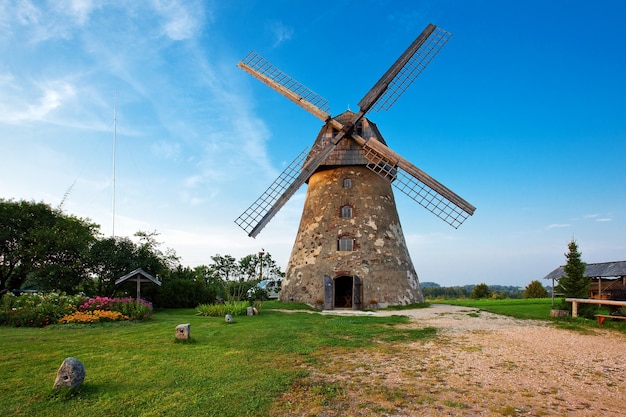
(345,243)
(347,183)
(346,211)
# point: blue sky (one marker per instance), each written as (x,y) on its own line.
(523,114)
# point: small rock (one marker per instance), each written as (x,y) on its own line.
(229,319)
(71,374)
(183,331)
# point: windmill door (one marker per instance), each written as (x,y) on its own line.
(344,291)
(356,293)
(328,293)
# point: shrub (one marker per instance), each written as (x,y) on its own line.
(131,308)
(481,291)
(236,308)
(183,293)
(36,310)
(535,290)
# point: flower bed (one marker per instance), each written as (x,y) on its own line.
(133,309)
(92,316)
(39,310)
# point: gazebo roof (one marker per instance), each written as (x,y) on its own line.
(138,275)
(598,270)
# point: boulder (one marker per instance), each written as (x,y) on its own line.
(183,331)
(71,374)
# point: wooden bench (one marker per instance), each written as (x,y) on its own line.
(602,317)
(576,301)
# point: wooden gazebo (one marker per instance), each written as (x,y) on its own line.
(607,278)
(138,276)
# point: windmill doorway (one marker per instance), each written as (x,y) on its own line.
(343,291)
(347,292)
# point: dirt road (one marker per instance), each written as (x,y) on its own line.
(480,364)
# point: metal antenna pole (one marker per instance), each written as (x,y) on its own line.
(114,148)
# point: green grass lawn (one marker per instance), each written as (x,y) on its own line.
(535,308)
(138,369)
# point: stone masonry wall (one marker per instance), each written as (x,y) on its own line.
(380,257)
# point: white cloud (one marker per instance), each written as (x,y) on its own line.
(558,225)
(281,32)
(79,10)
(48,96)
(182,20)
(27,13)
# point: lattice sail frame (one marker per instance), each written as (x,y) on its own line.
(249,219)
(417,190)
(412,69)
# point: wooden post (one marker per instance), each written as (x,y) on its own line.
(138,288)
(574,308)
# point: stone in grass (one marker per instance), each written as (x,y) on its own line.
(183,331)
(70,375)
(229,319)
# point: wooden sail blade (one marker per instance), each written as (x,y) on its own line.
(405,70)
(261,69)
(256,217)
(432,199)
(252,220)
(417,184)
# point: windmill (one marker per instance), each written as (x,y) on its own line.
(350,251)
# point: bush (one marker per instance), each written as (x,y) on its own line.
(36,310)
(236,308)
(535,290)
(131,308)
(481,291)
(183,293)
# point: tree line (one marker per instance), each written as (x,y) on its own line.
(45,249)
(534,289)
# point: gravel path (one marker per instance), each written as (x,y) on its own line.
(480,364)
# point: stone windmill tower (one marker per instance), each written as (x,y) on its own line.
(350,249)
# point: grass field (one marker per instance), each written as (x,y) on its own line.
(536,308)
(138,369)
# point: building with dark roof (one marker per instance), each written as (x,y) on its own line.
(608,279)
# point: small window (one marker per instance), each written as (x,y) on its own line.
(346,211)
(347,183)
(345,244)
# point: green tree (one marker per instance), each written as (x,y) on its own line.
(114,257)
(150,255)
(225,269)
(481,291)
(574,284)
(535,290)
(182,288)
(237,276)
(110,259)
(65,259)
(42,245)
(211,280)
